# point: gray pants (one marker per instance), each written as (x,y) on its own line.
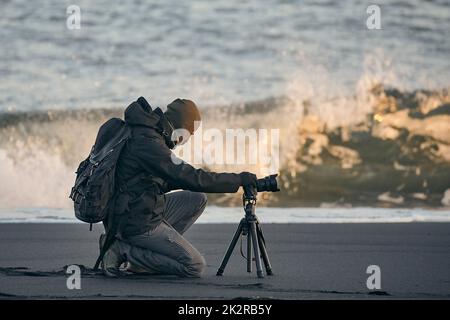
(164,250)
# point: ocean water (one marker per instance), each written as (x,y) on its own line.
(215,52)
(364,115)
(214,214)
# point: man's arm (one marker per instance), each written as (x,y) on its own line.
(155,157)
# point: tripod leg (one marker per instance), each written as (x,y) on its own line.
(262,247)
(249,252)
(230,249)
(252,230)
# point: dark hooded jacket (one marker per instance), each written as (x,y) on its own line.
(147,156)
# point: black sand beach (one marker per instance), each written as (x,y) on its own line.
(310,261)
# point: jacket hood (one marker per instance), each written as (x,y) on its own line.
(139,113)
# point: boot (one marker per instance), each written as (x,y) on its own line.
(112,259)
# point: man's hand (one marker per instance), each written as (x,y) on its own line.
(248,179)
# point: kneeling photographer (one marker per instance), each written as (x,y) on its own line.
(145,225)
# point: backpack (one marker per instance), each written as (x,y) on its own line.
(95,183)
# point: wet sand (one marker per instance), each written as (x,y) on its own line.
(310,261)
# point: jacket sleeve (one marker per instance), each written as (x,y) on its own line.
(156,158)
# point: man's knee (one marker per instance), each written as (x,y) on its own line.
(201,200)
(196,267)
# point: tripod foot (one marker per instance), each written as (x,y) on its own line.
(219,273)
(260,274)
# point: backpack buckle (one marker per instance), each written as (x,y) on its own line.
(72,193)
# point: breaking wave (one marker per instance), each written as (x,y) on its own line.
(379,146)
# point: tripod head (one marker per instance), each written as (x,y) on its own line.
(249,202)
(250,193)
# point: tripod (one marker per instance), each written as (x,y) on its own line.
(249,226)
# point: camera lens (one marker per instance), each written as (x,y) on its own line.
(268,184)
